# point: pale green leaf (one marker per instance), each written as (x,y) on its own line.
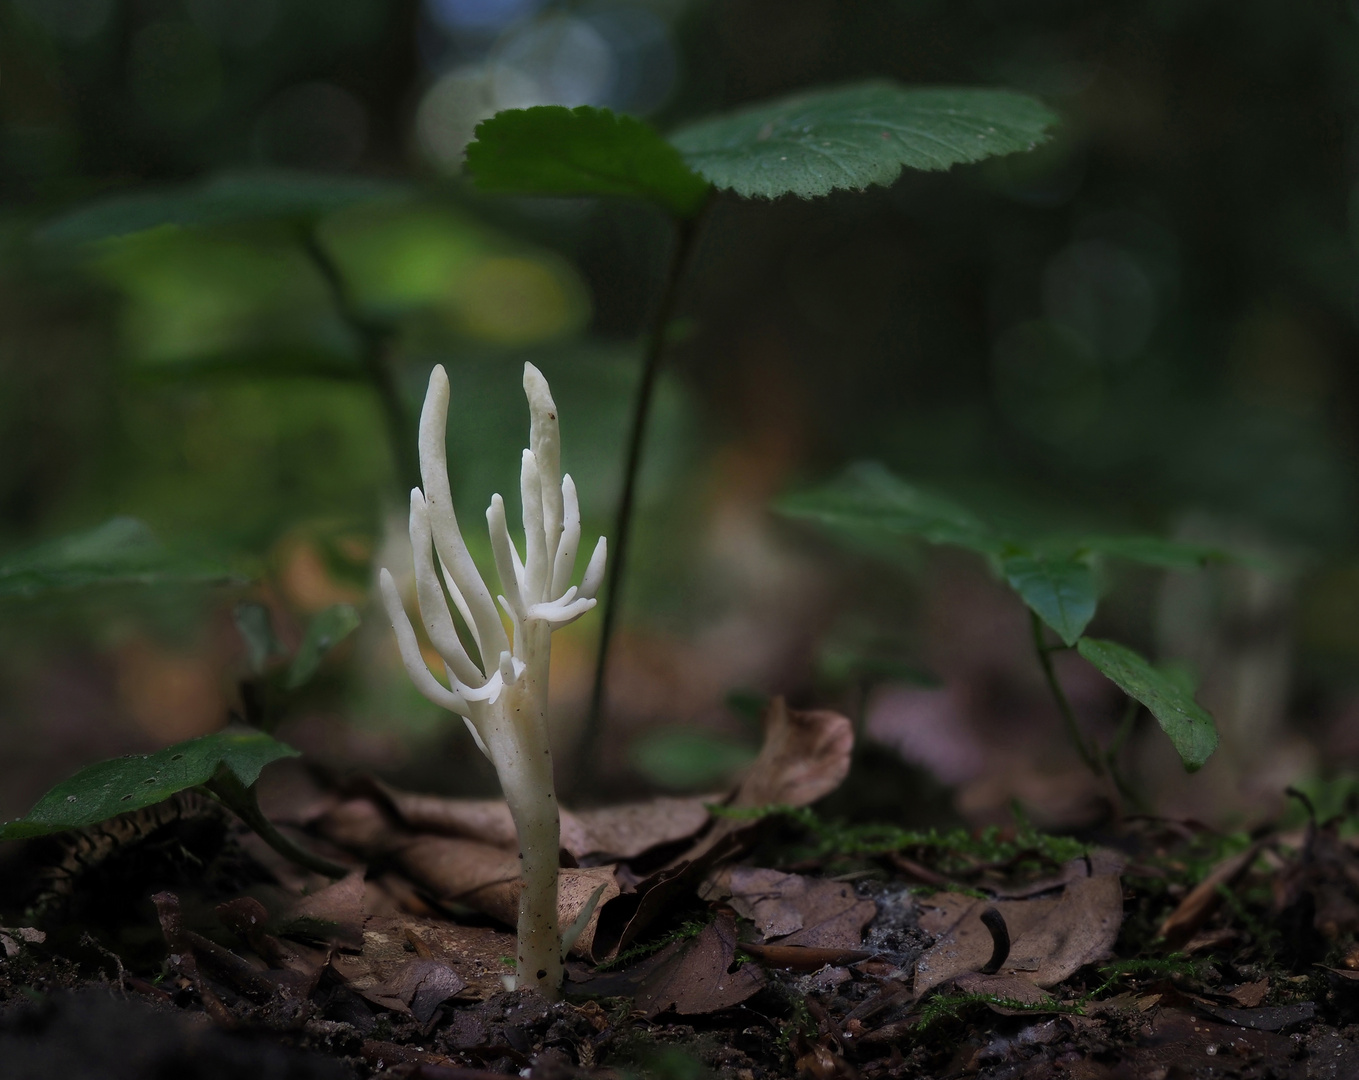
(687,759)
(1060,591)
(551,150)
(225,199)
(108,788)
(850,137)
(122,551)
(1190,727)
(1154,551)
(257,631)
(869,498)
(324,632)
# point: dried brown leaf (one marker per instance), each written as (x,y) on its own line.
(615,832)
(1049,937)
(1251,994)
(1202,900)
(693,977)
(473,953)
(334,913)
(799,910)
(805,756)
(1011,987)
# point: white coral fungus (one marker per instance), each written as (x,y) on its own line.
(502,693)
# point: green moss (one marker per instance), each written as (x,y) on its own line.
(952,851)
(686,930)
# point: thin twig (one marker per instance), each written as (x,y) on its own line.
(374,338)
(1073,729)
(687,233)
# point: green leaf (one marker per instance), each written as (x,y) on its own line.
(687,759)
(845,665)
(1153,551)
(225,199)
(551,150)
(324,632)
(867,497)
(1187,723)
(104,790)
(257,631)
(122,551)
(815,143)
(1060,591)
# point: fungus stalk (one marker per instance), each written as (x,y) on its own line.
(499,686)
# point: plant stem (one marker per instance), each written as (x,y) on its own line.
(1125,730)
(682,251)
(242,802)
(374,338)
(1073,729)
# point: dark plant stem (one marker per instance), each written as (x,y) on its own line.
(687,233)
(242,802)
(1073,730)
(374,338)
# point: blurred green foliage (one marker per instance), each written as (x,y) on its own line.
(1152,315)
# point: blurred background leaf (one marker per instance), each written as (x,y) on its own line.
(1143,328)
(122,551)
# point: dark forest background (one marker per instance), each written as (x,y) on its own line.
(1147,324)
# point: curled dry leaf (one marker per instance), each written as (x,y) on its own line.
(1049,937)
(1203,899)
(811,912)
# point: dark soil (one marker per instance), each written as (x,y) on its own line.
(1265,985)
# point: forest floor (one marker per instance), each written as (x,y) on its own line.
(745,940)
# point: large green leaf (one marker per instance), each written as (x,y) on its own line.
(324,632)
(1188,724)
(867,497)
(552,150)
(1060,591)
(122,551)
(815,143)
(108,788)
(1153,551)
(226,199)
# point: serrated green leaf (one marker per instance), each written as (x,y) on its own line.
(850,137)
(324,632)
(1154,551)
(122,551)
(104,790)
(552,150)
(1190,727)
(1060,591)
(867,497)
(225,199)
